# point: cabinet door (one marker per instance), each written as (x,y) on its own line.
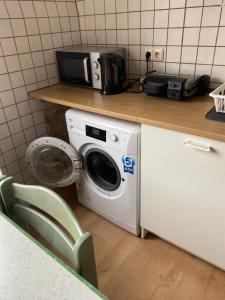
(184,202)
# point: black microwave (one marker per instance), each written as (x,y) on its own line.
(81,65)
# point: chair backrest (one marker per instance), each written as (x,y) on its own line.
(21,203)
(2,207)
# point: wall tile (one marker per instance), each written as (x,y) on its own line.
(35,43)
(205,55)
(72,10)
(208,36)
(147,4)
(6,143)
(110,6)
(5,28)
(177,3)
(161,4)
(11,112)
(175,36)
(12,63)
(147,36)
(3,10)
(122,21)
(18,27)
(134,5)
(176,18)
(111,21)
(27,9)
(134,20)
(193,17)
(80,7)
(191,36)
(22,44)
(121,6)
(15,126)
(100,21)
(8,46)
(32,26)
(111,37)
(16,79)
(7,98)
(160,36)
(43,24)
(62,9)
(122,37)
(211,16)
(99,6)
(4,131)
(26,61)
(51,9)
(20,94)
(29,76)
(219,56)
(173,54)
(89,7)
(191,3)
(188,54)
(3,69)
(2,117)
(14,9)
(4,82)
(147,19)
(40,9)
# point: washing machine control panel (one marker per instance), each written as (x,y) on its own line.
(84,131)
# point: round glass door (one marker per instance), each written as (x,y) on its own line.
(102,169)
(53,162)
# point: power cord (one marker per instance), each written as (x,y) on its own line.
(147,58)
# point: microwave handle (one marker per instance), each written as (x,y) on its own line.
(85,69)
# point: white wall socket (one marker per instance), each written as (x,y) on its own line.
(156,54)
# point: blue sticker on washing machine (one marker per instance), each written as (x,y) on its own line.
(128,164)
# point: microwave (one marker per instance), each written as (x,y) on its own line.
(80,65)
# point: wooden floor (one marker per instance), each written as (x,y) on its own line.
(131,268)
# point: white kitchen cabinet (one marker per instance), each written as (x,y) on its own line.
(183,191)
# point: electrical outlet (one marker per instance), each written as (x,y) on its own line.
(156,54)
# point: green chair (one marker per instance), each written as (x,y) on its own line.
(2,207)
(21,201)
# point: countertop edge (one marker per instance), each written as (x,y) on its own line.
(214,132)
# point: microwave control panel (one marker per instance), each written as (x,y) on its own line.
(96,71)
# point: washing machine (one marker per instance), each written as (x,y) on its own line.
(103,158)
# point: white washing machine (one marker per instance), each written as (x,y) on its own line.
(103,158)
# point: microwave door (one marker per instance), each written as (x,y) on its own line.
(75,68)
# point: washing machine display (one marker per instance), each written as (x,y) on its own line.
(96,133)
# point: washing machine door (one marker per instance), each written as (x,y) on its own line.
(102,169)
(53,162)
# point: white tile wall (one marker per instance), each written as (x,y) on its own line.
(188,31)
(30,32)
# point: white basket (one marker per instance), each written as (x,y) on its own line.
(219,98)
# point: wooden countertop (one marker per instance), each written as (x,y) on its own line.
(184,116)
